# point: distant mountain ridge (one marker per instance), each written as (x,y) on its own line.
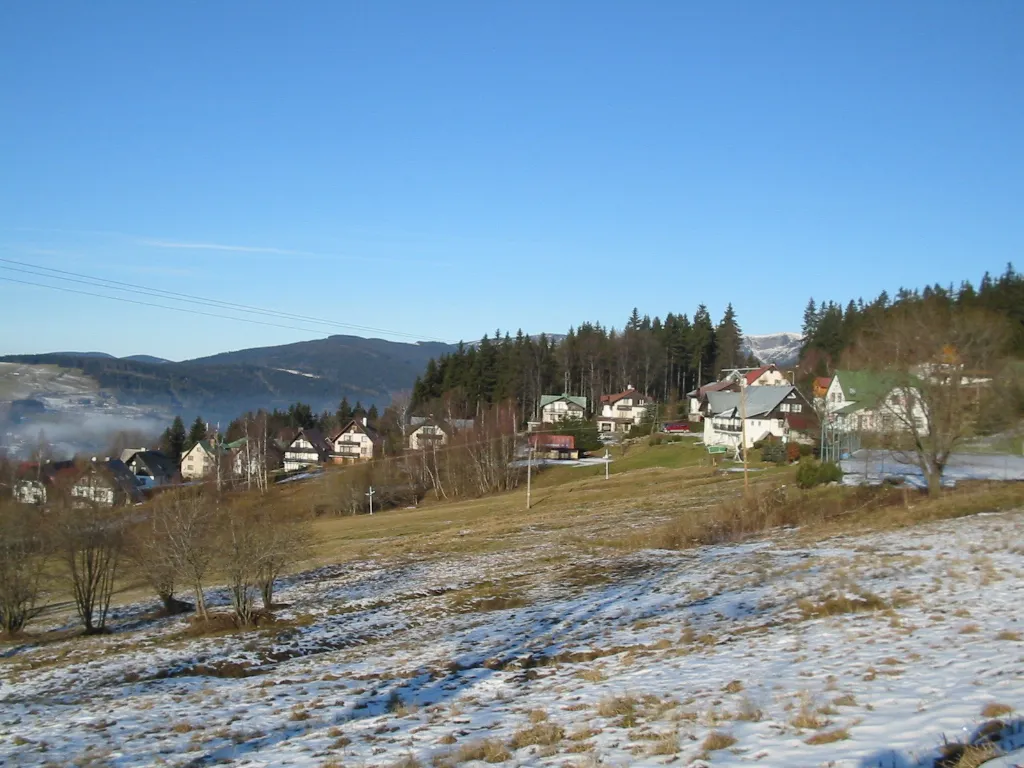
(782,349)
(220,387)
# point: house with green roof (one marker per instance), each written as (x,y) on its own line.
(556,408)
(873,401)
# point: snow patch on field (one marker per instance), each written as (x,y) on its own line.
(858,652)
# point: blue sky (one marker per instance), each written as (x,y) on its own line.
(443,169)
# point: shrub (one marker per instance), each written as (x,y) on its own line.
(807,473)
(811,473)
(793,451)
(806,450)
(774,452)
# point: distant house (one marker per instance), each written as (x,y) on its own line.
(698,398)
(355,441)
(621,411)
(152,469)
(308,448)
(556,408)
(36,483)
(200,460)
(866,401)
(780,412)
(426,431)
(765,376)
(547,446)
(106,483)
(246,462)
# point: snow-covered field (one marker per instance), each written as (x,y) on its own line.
(874,467)
(857,652)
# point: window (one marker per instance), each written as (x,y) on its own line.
(797,408)
(784,407)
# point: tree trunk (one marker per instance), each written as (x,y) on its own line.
(934,482)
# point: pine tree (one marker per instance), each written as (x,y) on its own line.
(344,413)
(372,415)
(702,346)
(810,326)
(728,340)
(174,440)
(196,433)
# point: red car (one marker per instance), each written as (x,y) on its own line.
(679,426)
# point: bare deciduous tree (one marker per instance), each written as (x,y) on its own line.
(936,362)
(89,541)
(148,545)
(22,560)
(187,523)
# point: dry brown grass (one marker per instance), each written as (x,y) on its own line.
(542,734)
(488,750)
(718,740)
(828,737)
(996,709)
(622,707)
(965,755)
(1006,634)
(838,603)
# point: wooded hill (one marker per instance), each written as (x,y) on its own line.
(666,358)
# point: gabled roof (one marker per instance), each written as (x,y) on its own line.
(759,401)
(155,462)
(757,373)
(865,387)
(576,400)
(356,425)
(418,421)
(612,399)
(822,382)
(315,438)
(715,386)
(118,473)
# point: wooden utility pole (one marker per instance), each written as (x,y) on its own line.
(743,434)
(529,469)
(370,495)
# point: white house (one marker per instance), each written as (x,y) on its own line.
(623,410)
(356,441)
(779,412)
(198,461)
(426,431)
(308,448)
(865,401)
(556,408)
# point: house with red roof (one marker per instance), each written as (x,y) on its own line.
(622,410)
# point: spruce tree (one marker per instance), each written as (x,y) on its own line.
(173,442)
(372,415)
(728,340)
(196,433)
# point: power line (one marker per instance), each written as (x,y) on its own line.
(158,306)
(99,282)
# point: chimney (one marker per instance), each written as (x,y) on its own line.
(364,421)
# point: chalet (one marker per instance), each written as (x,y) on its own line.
(781,412)
(545,446)
(308,448)
(820,387)
(623,410)
(556,408)
(106,483)
(152,469)
(200,460)
(699,397)
(355,441)
(765,376)
(866,401)
(426,431)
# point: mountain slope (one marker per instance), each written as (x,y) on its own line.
(783,349)
(220,387)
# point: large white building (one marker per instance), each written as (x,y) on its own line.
(779,412)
